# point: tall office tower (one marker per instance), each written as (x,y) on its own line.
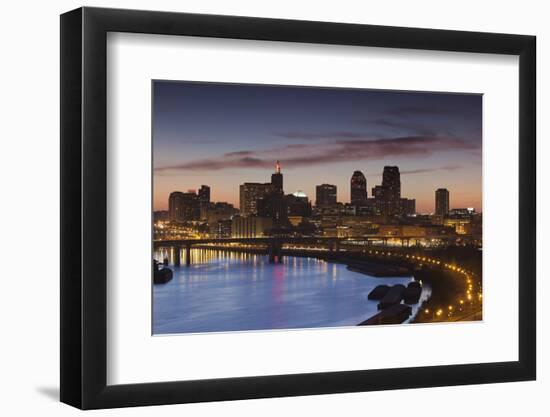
(274,206)
(277,178)
(358,184)
(249,194)
(441,201)
(378,196)
(204,195)
(175,206)
(325,195)
(183,206)
(191,206)
(391,181)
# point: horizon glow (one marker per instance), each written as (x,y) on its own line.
(223,135)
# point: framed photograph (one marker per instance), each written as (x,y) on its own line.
(258,208)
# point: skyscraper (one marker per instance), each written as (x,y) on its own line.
(378,196)
(358,184)
(204,195)
(273,205)
(175,206)
(265,197)
(183,206)
(391,182)
(325,195)
(249,194)
(277,178)
(441,201)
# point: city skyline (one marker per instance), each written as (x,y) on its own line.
(385,198)
(223,135)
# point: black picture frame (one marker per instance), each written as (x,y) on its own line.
(84,207)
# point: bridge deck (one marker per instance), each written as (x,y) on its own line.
(320,239)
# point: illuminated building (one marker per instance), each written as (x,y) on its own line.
(191,207)
(273,205)
(325,195)
(183,206)
(359,225)
(442,201)
(391,183)
(221,228)
(175,206)
(464,220)
(408,206)
(250,226)
(218,211)
(410,230)
(277,178)
(378,199)
(460,225)
(330,220)
(462,212)
(161,216)
(295,220)
(298,204)
(204,195)
(358,188)
(249,194)
(378,192)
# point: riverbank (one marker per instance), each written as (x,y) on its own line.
(451,300)
(376,269)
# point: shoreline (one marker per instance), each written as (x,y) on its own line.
(377,270)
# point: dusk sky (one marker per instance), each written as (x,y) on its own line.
(223,135)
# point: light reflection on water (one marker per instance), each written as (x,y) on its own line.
(228,291)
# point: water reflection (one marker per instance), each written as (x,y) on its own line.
(228,291)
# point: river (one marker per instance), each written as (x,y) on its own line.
(228,291)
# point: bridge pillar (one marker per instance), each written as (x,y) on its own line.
(275,252)
(177,256)
(271,252)
(188,255)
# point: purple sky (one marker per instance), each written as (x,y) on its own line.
(223,135)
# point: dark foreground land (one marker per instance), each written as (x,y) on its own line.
(453,274)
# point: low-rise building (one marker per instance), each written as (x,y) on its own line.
(250,226)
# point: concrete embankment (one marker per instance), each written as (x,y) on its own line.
(393,296)
(396,314)
(390,297)
(376,269)
(378,292)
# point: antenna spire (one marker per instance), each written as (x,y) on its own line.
(278,167)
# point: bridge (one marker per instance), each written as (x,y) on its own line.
(274,245)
